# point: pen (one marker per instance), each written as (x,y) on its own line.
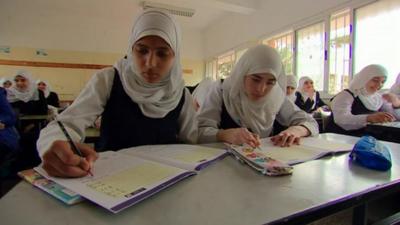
(257,136)
(71,143)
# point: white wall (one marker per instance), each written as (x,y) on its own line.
(78,26)
(271,17)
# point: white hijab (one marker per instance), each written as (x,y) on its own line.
(48,88)
(155,100)
(3,80)
(256,115)
(357,86)
(291,81)
(304,94)
(202,90)
(31,93)
(395,89)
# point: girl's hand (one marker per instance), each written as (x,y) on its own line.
(290,136)
(238,136)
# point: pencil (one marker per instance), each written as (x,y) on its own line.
(71,143)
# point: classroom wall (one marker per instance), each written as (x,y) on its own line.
(271,18)
(68,82)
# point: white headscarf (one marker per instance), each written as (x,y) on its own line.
(357,86)
(304,94)
(3,80)
(291,81)
(395,89)
(31,93)
(48,88)
(256,115)
(154,99)
(201,91)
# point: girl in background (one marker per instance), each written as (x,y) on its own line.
(51,97)
(307,98)
(353,108)
(201,92)
(291,86)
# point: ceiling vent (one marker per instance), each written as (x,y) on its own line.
(179,11)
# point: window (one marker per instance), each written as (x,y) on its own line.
(284,45)
(225,64)
(377,37)
(339,52)
(311,54)
(211,69)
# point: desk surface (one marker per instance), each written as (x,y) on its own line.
(226,192)
(34,117)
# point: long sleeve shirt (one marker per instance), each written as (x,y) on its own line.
(90,104)
(341,110)
(210,116)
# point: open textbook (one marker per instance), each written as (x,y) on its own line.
(276,160)
(124,178)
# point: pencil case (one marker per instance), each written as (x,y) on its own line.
(371,153)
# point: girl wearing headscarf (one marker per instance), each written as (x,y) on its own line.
(307,98)
(201,92)
(51,96)
(142,100)
(244,106)
(353,108)
(25,97)
(291,86)
(6,83)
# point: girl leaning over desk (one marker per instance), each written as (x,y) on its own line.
(361,103)
(244,106)
(142,100)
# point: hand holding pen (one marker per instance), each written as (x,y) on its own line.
(239,136)
(61,160)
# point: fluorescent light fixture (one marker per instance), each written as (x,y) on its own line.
(179,11)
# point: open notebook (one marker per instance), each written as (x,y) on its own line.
(126,177)
(268,156)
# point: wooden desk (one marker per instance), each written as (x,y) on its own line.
(226,192)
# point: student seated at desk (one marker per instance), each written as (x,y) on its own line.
(291,86)
(142,100)
(51,96)
(244,106)
(307,98)
(353,108)
(26,99)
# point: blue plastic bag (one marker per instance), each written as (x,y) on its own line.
(372,154)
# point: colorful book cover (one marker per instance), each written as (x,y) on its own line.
(65,195)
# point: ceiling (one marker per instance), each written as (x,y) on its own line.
(122,11)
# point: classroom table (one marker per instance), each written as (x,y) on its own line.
(228,192)
(39,120)
(385,131)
